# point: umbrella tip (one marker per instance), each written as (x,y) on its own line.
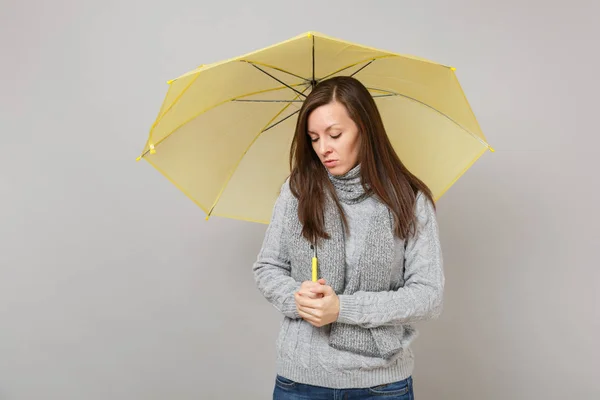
(452,68)
(491,149)
(170,81)
(139,158)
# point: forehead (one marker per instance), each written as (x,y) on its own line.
(327,115)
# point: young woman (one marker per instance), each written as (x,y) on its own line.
(350,202)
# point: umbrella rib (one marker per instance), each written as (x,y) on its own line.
(237,98)
(363,67)
(392,93)
(277,69)
(210,108)
(269,101)
(461,173)
(313,82)
(245,152)
(170,179)
(469,106)
(278,80)
(170,106)
(281,120)
(371,59)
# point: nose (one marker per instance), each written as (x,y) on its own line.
(324,147)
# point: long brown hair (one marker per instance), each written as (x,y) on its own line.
(382,172)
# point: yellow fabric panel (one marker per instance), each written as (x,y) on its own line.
(203,154)
(211,88)
(220,139)
(429,144)
(434,85)
(265,166)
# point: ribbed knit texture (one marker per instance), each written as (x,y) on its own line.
(371,272)
(382,289)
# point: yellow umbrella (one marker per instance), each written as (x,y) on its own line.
(223,133)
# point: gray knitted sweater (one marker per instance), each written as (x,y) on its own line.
(415,293)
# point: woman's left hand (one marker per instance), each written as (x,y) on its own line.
(322,311)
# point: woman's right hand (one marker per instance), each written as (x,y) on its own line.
(306,286)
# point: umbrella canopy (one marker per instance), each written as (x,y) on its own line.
(223,133)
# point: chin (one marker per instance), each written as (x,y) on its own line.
(338,170)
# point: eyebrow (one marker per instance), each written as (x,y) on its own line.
(328,128)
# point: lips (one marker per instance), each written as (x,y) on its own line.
(329,162)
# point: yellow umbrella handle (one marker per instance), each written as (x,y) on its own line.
(314,269)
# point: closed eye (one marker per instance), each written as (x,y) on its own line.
(333,137)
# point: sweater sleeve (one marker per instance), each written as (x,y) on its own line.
(272,269)
(421,297)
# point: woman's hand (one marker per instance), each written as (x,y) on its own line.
(317,303)
(307,286)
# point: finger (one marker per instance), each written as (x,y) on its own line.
(314,315)
(309,294)
(309,310)
(301,299)
(308,302)
(321,281)
(307,285)
(312,311)
(316,322)
(323,289)
(306,295)
(308,317)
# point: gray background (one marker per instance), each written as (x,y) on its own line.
(113,286)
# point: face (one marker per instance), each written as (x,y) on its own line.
(334,137)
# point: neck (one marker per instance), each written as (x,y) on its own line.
(348,186)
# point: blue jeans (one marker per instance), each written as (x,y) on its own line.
(286,389)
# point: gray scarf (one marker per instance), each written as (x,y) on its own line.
(372,272)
